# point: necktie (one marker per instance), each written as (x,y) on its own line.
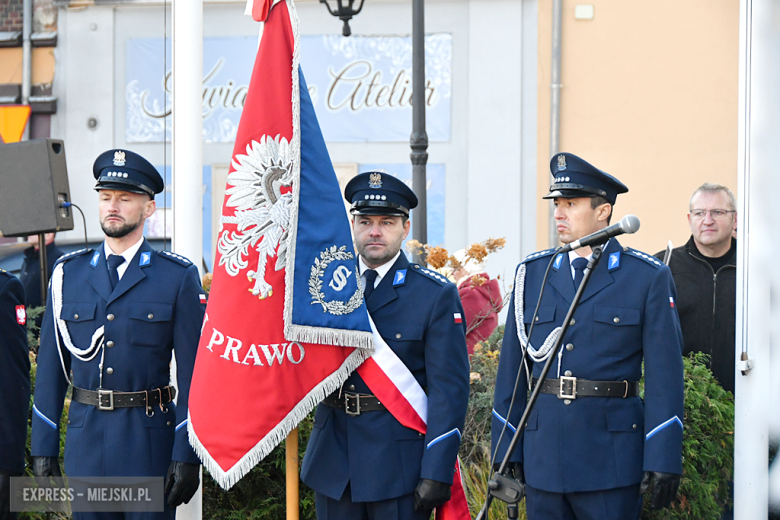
(370,280)
(579,266)
(114,261)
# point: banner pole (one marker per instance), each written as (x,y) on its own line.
(291,472)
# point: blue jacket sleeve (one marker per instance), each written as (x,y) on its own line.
(50,388)
(662,344)
(504,423)
(188,320)
(447,370)
(14,378)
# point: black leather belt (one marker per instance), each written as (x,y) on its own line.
(110,399)
(354,404)
(572,388)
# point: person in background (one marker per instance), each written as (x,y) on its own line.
(14,386)
(705,273)
(480,297)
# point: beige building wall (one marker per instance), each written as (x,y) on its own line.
(650,96)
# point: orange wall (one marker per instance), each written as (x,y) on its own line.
(650,96)
(42,62)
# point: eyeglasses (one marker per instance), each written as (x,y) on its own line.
(716,214)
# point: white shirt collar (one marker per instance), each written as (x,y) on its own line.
(573,256)
(127,255)
(381,271)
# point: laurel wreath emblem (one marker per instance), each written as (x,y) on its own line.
(337,307)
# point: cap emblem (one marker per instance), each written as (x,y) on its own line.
(375,180)
(119,158)
(561,162)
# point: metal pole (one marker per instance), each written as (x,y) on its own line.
(419,140)
(44,263)
(26,60)
(187,146)
(555,101)
(291,474)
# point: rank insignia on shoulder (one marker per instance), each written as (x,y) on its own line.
(95,259)
(538,254)
(647,258)
(400,277)
(614,261)
(176,258)
(557,263)
(146,259)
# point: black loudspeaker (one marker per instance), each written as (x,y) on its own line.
(33,186)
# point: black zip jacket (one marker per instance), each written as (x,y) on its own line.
(707,307)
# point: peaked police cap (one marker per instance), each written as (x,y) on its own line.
(379,193)
(124,170)
(575,177)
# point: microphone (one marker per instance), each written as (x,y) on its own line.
(628,224)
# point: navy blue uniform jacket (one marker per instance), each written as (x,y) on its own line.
(156,308)
(373,452)
(626,314)
(14,376)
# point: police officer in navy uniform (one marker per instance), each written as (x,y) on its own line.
(363,464)
(591,445)
(115,316)
(14,386)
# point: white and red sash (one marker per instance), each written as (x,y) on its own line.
(397,389)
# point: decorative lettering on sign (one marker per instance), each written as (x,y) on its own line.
(351,88)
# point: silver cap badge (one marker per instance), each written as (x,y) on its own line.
(561,162)
(375,180)
(119,158)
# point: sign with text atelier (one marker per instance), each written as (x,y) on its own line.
(361,87)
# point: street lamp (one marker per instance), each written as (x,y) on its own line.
(419,138)
(345,10)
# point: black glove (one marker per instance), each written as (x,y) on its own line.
(46,467)
(430,494)
(5,497)
(665,487)
(181,483)
(515,469)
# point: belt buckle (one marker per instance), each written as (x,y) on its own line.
(110,394)
(562,394)
(357,405)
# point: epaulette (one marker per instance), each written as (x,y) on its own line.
(430,273)
(647,258)
(539,254)
(74,254)
(175,258)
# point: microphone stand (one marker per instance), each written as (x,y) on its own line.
(502,486)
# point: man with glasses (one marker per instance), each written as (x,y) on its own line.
(705,273)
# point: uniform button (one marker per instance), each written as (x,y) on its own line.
(68,421)
(572,322)
(75,316)
(109,344)
(567,373)
(570,346)
(351,387)
(420,434)
(110,317)
(169,423)
(109,370)
(616,319)
(567,401)
(151,316)
(536,319)
(633,426)
(398,336)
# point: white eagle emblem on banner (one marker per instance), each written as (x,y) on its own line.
(262,210)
